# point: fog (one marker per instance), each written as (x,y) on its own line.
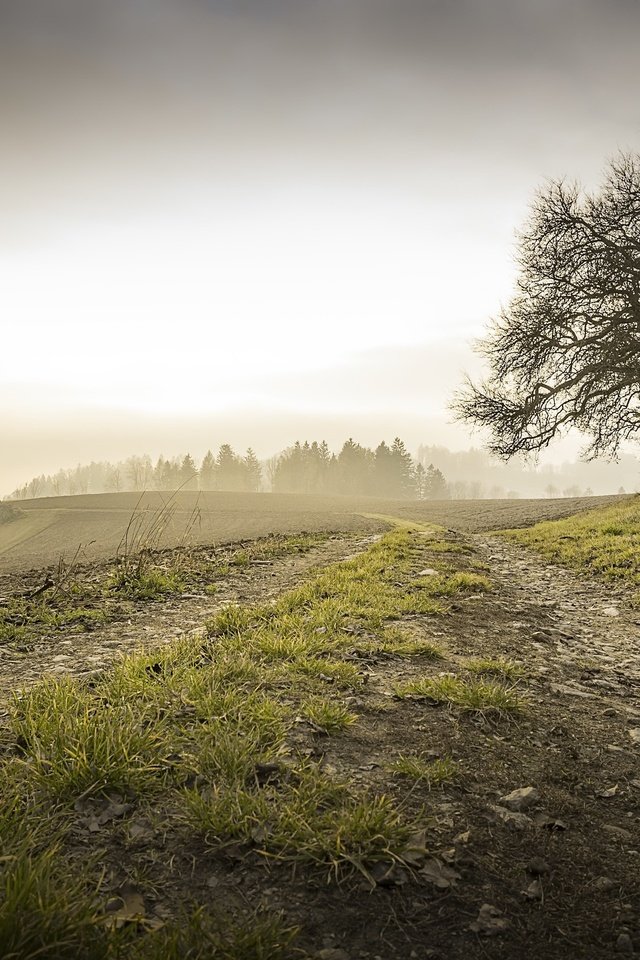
(264,220)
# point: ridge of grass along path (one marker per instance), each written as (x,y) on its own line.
(604,542)
(203,738)
(70,599)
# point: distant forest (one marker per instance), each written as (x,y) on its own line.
(387,471)
(311,467)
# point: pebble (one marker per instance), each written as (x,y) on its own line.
(520,799)
(624,945)
(604,884)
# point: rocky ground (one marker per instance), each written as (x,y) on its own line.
(534,849)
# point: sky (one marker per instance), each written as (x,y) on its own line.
(251,221)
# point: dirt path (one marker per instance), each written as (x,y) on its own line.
(559,877)
(152,623)
(580,633)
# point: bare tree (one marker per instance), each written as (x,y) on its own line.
(566,350)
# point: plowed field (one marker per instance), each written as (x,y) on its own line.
(51,527)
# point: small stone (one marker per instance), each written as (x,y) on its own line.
(534,891)
(618,831)
(634,733)
(490,921)
(604,884)
(520,799)
(624,945)
(611,612)
(513,819)
(538,867)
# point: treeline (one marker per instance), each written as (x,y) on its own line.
(387,471)
(226,471)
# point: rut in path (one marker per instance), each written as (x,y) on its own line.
(150,624)
(582,635)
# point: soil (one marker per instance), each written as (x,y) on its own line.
(560,880)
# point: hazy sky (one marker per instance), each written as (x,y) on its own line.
(251,220)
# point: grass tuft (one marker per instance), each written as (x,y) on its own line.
(434,772)
(499,667)
(74,744)
(470,696)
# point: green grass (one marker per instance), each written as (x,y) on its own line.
(75,744)
(329,716)
(144,583)
(499,667)
(23,618)
(470,696)
(203,937)
(306,817)
(46,913)
(206,733)
(434,772)
(603,542)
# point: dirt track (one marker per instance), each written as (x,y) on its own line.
(51,527)
(563,874)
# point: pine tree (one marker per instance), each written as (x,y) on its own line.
(403,470)
(436,485)
(188,473)
(230,469)
(253,471)
(208,472)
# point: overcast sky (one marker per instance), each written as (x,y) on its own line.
(253,220)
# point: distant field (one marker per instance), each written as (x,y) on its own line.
(53,526)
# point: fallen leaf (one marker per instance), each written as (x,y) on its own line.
(139,830)
(126,907)
(490,921)
(533,891)
(388,875)
(518,820)
(439,874)
(609,792)
(416,848)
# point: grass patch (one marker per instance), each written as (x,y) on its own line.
(499,667)
(144,583)
(22,618)
(74,744)
(434,772)
(308,817)
(329,716)
(604,542)
(470,696)
(46,912)
(202,937)
(205,733)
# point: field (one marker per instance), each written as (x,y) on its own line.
(396,735)
(50,527)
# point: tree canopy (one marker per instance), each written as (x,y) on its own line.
(565,352)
